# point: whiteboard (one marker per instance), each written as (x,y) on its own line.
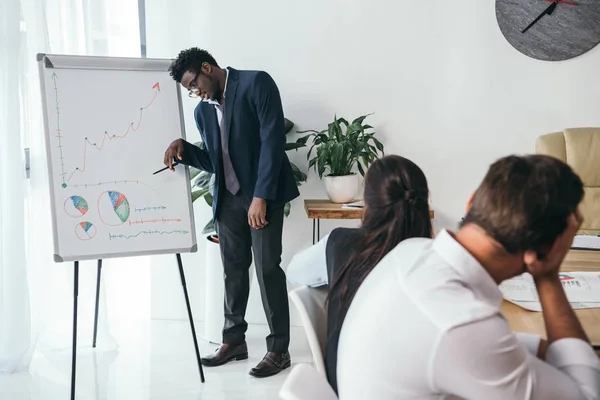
(108,122)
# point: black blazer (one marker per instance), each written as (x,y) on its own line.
(256,133)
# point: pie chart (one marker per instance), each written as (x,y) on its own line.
(76,206)
(113,208)
(85,230)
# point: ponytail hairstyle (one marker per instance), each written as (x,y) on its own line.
(396,208)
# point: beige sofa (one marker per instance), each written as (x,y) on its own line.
(580,148)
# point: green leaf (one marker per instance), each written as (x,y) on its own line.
(194,172)
(354,128)
(337,158)
(299,176)
(210,227)
(289,125)
(338,130)
(203,180)
(365,160)
(322,160)
(343,121)
(310,152)
(209,199)
(303,139)
(286,209)
(360,119)
(311,131)
(321,138)
(360,169)
(378,144)
(196,194)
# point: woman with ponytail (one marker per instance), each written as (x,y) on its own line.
(396,208)
(396,200)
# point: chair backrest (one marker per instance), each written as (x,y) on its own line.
(305,383)
(580,148)
(310,303)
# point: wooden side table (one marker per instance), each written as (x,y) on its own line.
(325,209)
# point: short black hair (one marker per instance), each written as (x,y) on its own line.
(190,60)
(524,202)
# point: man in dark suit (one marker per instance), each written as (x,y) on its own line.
(240,119)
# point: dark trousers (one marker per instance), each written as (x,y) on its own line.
(237,241)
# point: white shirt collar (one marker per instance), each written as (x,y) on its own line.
(214,102)
(468,267)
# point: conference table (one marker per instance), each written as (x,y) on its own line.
(521,320)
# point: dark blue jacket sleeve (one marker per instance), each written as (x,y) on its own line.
(267,102)
(194,155)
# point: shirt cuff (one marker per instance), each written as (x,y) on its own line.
(530,341)
(309,266)
(572,351)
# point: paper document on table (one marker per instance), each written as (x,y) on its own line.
(537,306)
(586,242)
(580,287)
(519,288)
(356,204)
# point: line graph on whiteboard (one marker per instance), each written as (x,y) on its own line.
(107,137)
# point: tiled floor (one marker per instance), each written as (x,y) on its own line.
(154,361)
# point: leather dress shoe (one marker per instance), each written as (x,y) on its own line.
(272,364)
(226,353)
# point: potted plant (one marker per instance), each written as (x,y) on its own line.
(339,148)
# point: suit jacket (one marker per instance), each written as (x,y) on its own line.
(255,128)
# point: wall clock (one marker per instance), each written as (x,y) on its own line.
(550,30)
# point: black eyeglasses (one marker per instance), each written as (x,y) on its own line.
(194,92)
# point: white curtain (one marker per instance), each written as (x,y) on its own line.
(36,294)
(14,300)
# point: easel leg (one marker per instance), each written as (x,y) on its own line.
(189,310)
(97,303)
(74,350)
(318,230)
(314,231)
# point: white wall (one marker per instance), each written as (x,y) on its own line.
(447,90)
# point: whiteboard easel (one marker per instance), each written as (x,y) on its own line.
(107,124)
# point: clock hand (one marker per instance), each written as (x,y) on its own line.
(548,11)
(571,3)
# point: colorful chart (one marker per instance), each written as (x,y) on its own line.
(85,230)
(113,208)
(76,206)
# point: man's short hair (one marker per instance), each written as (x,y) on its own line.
(190,60)
(524,201)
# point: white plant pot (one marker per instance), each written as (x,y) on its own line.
(341,189)
(214,317)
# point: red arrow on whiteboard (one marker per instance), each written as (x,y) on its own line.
(156,86)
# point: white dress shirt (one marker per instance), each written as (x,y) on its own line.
(216,103)
(426,324)
(309,266)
